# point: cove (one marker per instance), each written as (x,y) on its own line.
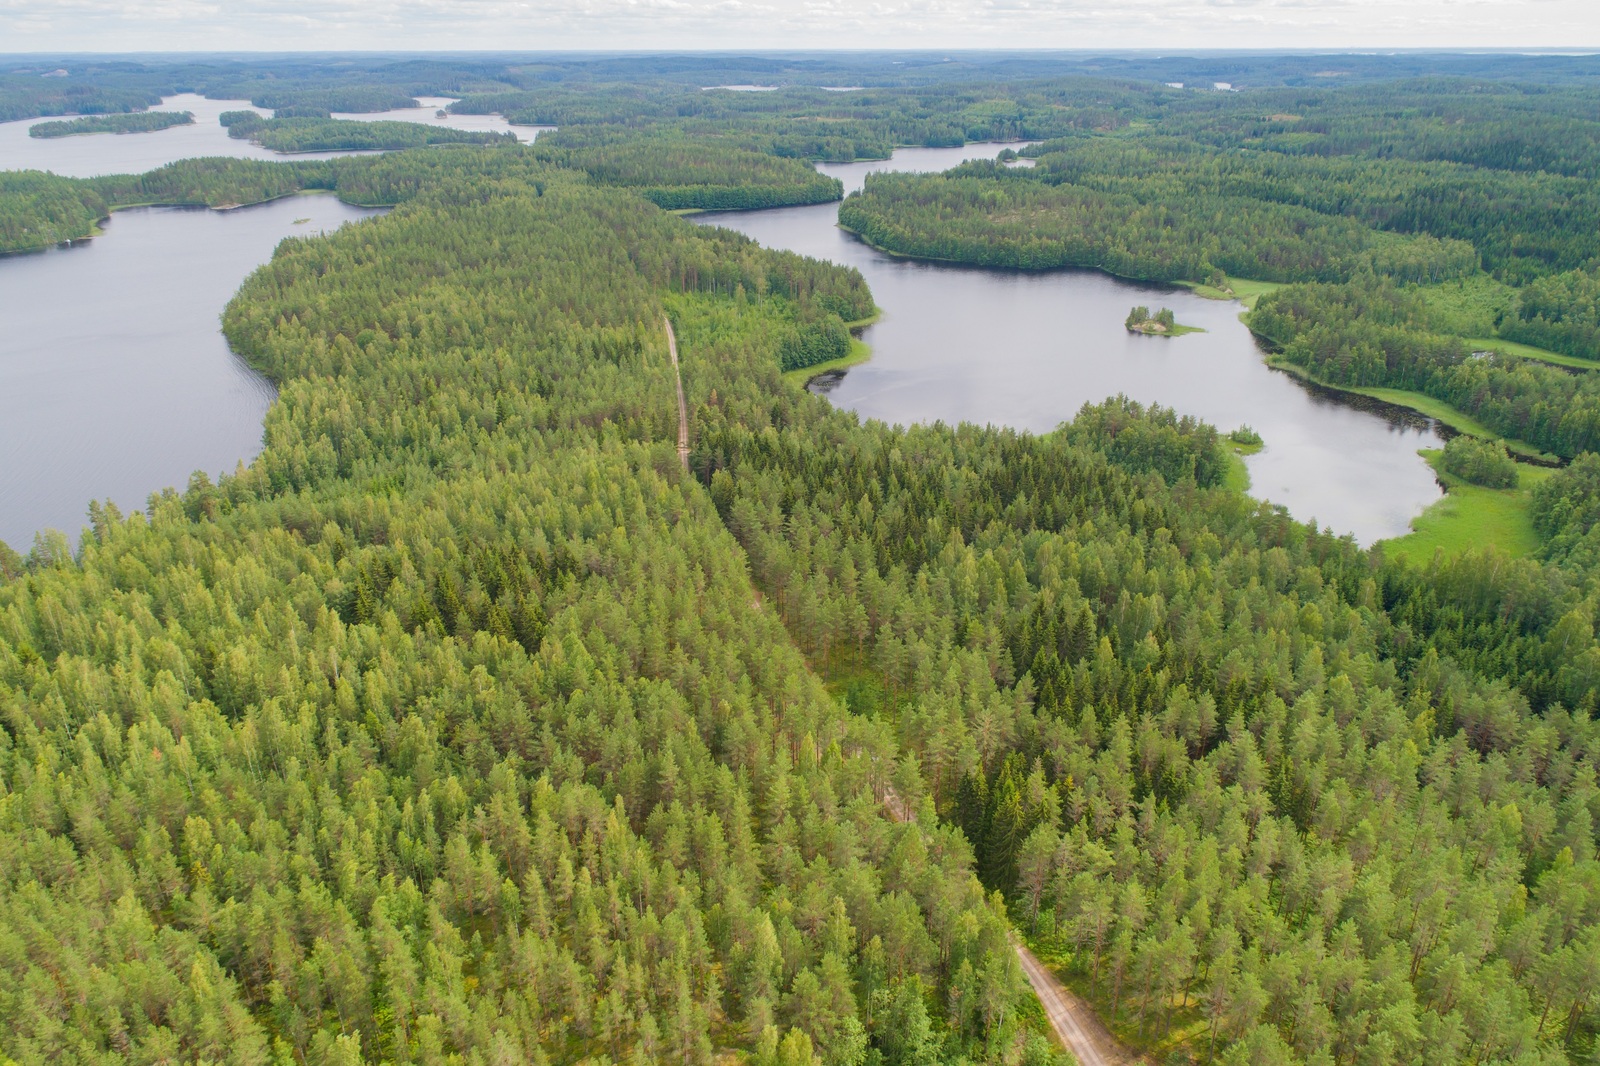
(115,379)
(1026,350)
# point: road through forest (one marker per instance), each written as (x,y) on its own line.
(1072,1019)
(1075,1023)
(683,408)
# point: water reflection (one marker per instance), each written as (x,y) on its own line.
(962,344)
(115,379)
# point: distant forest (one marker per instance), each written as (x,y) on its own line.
(128,122)
(468,725)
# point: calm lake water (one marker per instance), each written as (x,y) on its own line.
(91,155)
(961,344)
(115,380)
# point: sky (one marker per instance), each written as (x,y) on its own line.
(300,25)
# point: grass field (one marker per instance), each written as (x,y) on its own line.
(1471,517)
(1238,476)
(1244,290)
(1528,351)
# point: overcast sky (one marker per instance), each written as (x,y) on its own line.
(129,25)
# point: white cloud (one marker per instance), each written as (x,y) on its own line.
(123,25)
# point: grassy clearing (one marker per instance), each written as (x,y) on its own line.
(1528,351)
(860,352)
(1244,290)
(1237,476)
(1471,517)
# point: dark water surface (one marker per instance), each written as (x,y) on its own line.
(115,380)
(962,344)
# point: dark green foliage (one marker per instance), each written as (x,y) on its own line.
(677,174)
(1481,462)
(1156,440)
(816,339)
(135,122)
(453,728)
(323,134)
(214,182)
(1566,512)
(352,99)
(291,111)
(1560,313)
(38,210)
(1140,318)
(995,216)
(805,122)
(31,95)
(1370,333)
(1523,224)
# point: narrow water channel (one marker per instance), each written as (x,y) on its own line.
(115,379)
(964,344)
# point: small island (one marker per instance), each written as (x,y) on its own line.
(134,122)
(1160,324)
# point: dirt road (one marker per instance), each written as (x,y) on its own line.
(683,408)
(1077,1026)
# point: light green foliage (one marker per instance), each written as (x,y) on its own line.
(1376,335)
(1471,518)
(1479,462)
(464,726)
(38,210)
(450,727)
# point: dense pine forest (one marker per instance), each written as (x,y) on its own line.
(134,122)
(466,725)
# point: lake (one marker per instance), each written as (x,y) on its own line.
(94,154)
(965,344)
(115,380)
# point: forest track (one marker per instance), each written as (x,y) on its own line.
(1075,1023)
(683,408)
(1079,1028)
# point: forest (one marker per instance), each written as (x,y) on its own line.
(311,129)
(133,122)
(465,725)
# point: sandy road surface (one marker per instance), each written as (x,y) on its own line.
(683,408)
(1071,1018)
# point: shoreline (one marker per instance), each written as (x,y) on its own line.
(1426,406)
